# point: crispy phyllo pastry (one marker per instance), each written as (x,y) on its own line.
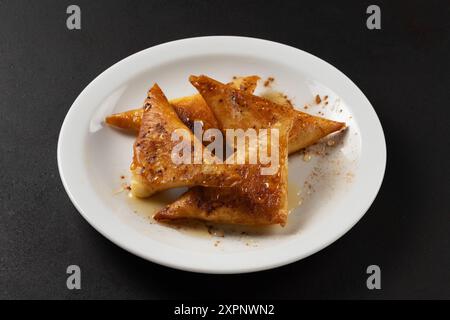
(306,130)
(247,84)
(189,109)
(194,108)
(219,205)
(250,193)
(129,121)
(258,198)
(153,168)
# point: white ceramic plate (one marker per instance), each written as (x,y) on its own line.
(336,182)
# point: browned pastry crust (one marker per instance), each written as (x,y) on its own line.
(256,198)
(306,129)
(189,109)
(152,168)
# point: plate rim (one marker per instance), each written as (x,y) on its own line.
(165,260)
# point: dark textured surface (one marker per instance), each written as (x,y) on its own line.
(403,69)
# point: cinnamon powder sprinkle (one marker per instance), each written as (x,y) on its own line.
(269,81)
(318,100)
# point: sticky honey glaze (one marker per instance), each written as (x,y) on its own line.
(294,197)
(147,207)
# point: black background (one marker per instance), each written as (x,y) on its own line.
(403,69)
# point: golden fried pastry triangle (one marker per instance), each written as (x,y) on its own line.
(188,109)
(306,130)
(153,168)
(258,199)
